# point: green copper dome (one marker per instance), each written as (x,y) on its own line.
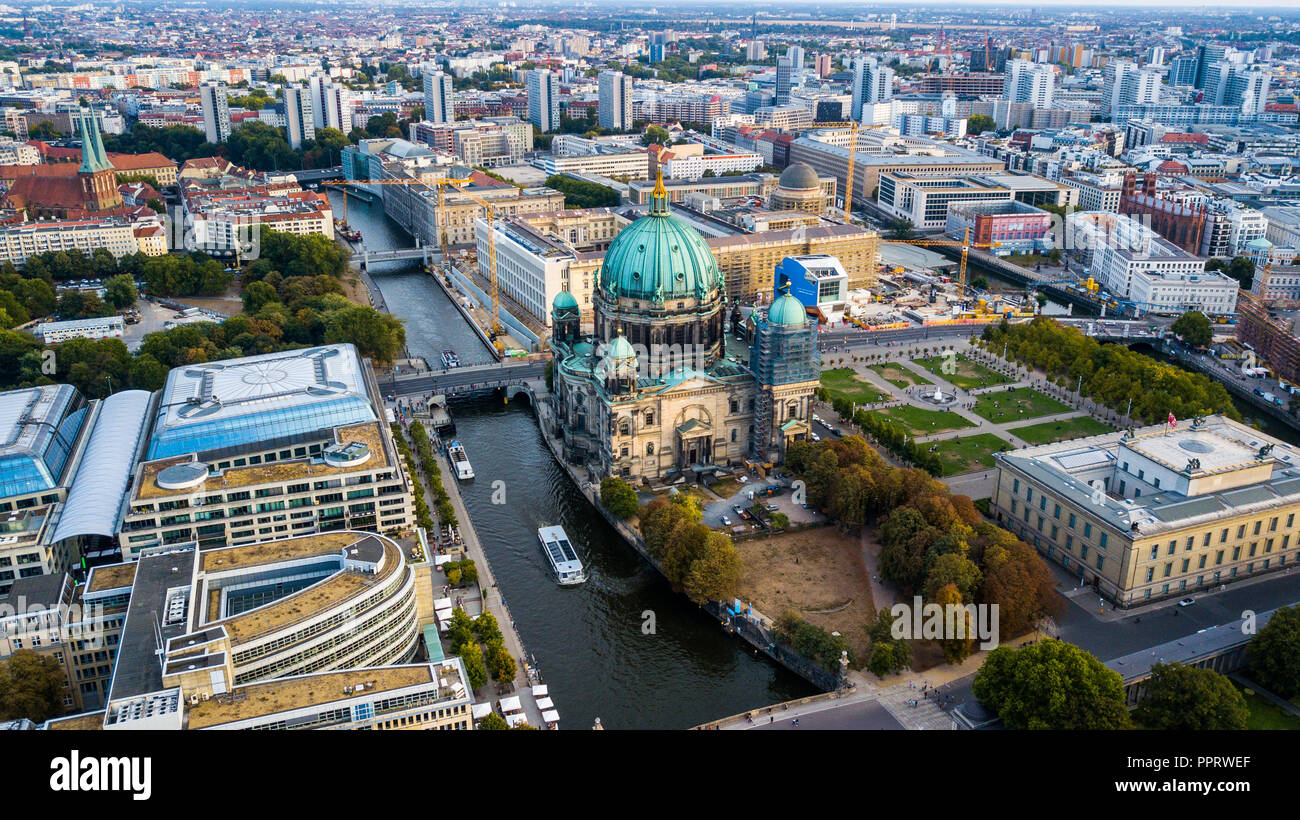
(564,301)
(787,311)
(619,348)
(658,258)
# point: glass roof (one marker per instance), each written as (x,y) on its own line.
(238,402)
(38,430)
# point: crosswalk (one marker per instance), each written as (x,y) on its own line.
(926,714)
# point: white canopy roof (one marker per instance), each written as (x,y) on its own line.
(442,603)
(511,704)
(515,720)
(103,478)
(540,690)
(480,710)
(545,703)
(551,717)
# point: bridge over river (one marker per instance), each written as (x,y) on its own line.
(451,381)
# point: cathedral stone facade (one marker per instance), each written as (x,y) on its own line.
(652,394)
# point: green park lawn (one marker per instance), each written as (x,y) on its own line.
(899,376)
(1047,432)
(966,375)
(1002,406)
(922,422)
(1264,715)
(962,455)
(844,383)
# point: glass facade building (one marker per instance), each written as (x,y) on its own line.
(278,397)
(39,427)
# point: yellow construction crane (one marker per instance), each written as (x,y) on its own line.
(965,244)
(853,154)
(490,213)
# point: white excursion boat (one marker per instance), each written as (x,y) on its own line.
(561,555)
(456,452)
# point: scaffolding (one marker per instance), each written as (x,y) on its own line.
(779,356)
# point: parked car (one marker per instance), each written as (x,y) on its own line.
(1187,602)
(726,522)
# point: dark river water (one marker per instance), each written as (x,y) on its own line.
(588,640)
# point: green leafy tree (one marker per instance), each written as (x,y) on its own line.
(1274,653)
(655,135)
(475,668)
(979,123)
(486,628)
(582,194)
(618,497)
(31,686)
(257,294)
(120,291)
(1051,685)
(888,654)
(901,228)
(1242,268)
(379,336)
(493,722)
(955,570)
(82,304)
(1194,328)
(500,663)
(1184,697)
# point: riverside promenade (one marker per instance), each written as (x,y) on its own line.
(490,600)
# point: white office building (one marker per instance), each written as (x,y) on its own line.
(298,115)
(543,99)
(614,108)
(872,83)
(439,106)
(1126,84)
(1026,82)
(216,111)
(1158,276)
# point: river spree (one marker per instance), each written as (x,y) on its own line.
(623,646)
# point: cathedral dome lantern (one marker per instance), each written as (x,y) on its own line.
(566,318)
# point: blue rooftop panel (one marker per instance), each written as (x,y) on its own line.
(240,402)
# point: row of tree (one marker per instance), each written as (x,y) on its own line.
(1111,374)
(441,501)
(696,560)
(1056,685)
(582,194)
(886,432)
(481,647)
(421,507)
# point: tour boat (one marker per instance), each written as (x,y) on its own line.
(561,555)
(449,359)
(460,461)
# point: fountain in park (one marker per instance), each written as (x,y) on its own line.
(936,397)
